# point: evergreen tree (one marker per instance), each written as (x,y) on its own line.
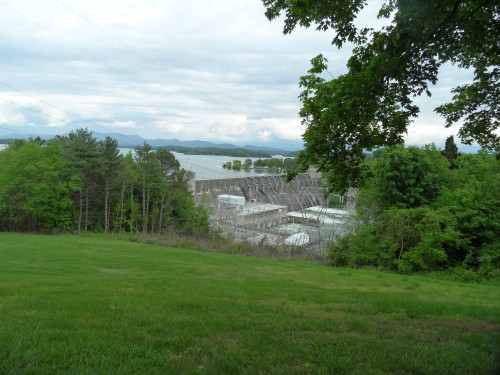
(450,151)
(111,163)
(84,159)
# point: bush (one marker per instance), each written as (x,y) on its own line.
(359,249)
(406,240)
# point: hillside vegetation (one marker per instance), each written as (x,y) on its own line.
(82,305)
(77,184)
(426,210)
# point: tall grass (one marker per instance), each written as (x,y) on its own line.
(81,305)
(226,245)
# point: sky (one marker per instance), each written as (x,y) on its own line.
(212,70)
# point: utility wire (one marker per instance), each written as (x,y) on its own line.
(71,44)
(16,131)
(39,112)
(129,78)
(100,62)
(153,63)
(141,55)
(133,144)
(49,116)
(60,109)
(91,122)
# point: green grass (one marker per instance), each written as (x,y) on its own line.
(80,305)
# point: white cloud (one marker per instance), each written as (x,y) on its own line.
(11,117)
(56,118)
(217,70)
(123,125)
(170,128)
(265,135)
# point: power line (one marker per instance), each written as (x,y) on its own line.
(60,109)
(133,144)
(100,62)
(46,115)
(138,53)
(129,78)
(34,110)
(81,118)
(15,131)
(153,63)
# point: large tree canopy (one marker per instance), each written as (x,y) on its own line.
(372,104)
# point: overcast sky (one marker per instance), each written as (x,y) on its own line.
(214,70)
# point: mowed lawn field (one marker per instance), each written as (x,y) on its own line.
(81,305)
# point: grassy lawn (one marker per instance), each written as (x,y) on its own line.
(81,305)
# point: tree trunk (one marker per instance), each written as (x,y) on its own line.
(106,206)
(80,212)
(86,209)
(119,212)
(160,219)
(144,222)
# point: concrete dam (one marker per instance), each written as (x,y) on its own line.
(301,193)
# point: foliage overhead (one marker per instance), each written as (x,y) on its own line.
(372,104)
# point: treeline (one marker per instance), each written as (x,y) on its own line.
(235,152)
(76,183)
(271,163)
(427,210)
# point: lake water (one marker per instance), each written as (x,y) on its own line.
(209,167)
(206,167)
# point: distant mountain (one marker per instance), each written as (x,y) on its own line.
(127,141)
(191,144)
(158,142)
(273,150)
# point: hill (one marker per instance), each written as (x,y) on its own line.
(73,304)
(127,141)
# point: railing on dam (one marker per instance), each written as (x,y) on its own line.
(301,193)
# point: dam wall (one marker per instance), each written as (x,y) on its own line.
(301,193)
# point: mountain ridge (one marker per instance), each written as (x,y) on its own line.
(129,141)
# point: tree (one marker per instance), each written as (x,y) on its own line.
(415,214)
(75,182)
(237,165)
(34,187)
(111,161)
(169,167)
(450,151)
(259,163)
(83,157)
(145,158)
(247,164)
(408,177)
(371,105)
(128,210)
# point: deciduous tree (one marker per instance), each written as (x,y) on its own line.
(372,104)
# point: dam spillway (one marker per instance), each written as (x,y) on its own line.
(301,193)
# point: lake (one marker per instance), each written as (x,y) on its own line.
(206,167)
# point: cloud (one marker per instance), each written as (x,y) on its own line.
(56,118)
(123,125)
(190,69)
(8,116)
(170,128)
(265,135)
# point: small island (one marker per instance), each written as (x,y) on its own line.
(263,164)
